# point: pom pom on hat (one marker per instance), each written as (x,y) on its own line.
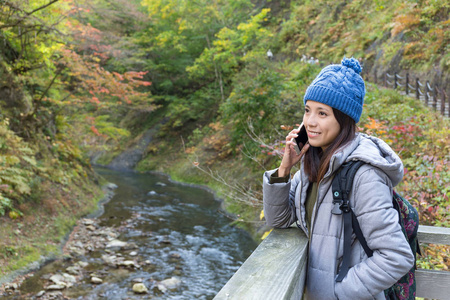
(352,64)
(341,87)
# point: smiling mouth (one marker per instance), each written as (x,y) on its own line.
(313,133)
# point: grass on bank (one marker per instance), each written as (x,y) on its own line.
(39,232)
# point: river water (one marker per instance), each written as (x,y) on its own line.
(178,228)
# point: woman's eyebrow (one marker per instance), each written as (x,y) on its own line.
(323,108)
(326,109)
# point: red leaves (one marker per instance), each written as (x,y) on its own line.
(119,76)
(85,58)
(276,148)
(103,86)
(95,130)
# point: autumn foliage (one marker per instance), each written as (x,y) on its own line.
(89,81)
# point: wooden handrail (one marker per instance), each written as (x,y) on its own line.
(434,235)
(433,284)
(277,268)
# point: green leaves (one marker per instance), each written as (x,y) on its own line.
(17,167)
(231,47)
(254,101)
(5,204)
(421,138)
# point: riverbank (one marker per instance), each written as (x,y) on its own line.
(30,242)
(86,236)
(155,237)
(237,187)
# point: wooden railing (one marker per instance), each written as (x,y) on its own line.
(277,268)
(433,284)
(434,97)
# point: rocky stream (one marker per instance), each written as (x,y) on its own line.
(155,239)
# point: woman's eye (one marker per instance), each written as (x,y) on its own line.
(322,113)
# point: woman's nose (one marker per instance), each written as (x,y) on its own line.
(312,120)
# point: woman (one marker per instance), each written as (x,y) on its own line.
(333,106)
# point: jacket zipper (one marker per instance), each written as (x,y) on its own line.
(301,226)
(313,219)
(317,199)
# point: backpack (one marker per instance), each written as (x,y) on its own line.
(342,183)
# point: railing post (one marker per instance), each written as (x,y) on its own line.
(395,81)
(417,88)
(426,93)
(433,284)
(385,80)
(375,75)
(406,84)
(443,103)
(435,97)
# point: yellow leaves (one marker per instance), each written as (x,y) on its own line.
(375,127)
(261,217)
(13,215)
(373,124)
(10,159)
(183,25)
(264,12)
(404,22)
(287,128)
(266,234)
(435,257)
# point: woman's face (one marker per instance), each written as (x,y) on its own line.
(320,123)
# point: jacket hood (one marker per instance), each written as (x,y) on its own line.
(373,151)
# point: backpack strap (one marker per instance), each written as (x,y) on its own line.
(341,188)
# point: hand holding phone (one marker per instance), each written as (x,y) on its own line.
(300,144)
(301,140)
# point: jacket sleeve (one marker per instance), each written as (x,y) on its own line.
(278,198)
(392,256)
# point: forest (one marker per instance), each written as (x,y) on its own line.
(82,81)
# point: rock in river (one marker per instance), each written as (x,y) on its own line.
(56,287)
(96,280)
(170,283)
(140,288)
(116,244)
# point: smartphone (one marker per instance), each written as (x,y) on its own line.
(301,140)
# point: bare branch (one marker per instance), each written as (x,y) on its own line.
(39,101)
(26,15)
(42,7)
(238,192)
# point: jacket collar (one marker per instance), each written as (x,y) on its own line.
(341,155)
(370,150)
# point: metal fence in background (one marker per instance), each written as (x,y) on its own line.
(434,97)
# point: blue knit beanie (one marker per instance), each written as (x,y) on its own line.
(341,87)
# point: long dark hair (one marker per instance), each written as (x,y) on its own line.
(316,161)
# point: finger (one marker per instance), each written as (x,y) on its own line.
(291,143)
(305,149)
(295,131)
(291,136)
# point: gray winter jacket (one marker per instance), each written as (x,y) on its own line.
(371,201)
